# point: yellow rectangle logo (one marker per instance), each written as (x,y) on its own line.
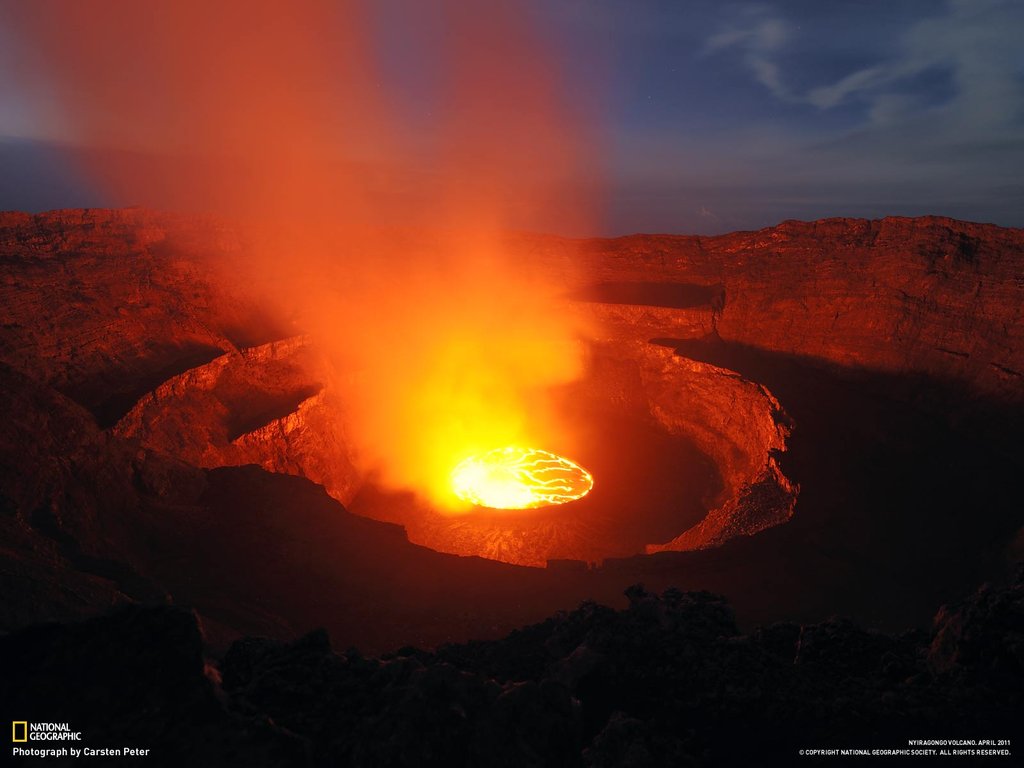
(22,726)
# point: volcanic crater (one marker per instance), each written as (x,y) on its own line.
(686,452)
(712,358)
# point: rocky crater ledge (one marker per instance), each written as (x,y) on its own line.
(736,422)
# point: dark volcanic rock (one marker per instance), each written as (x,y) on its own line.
(982,636)
(134,678)
(75,504)
(668,681)
(400,711)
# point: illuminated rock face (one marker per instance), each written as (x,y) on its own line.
(741,426)
(930,295)
(263,405)
(128,314)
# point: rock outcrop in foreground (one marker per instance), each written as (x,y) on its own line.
(668,681)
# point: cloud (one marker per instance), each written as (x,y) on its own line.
(766,34)
(921,115)
(828,96)
(973,42)
(759,39)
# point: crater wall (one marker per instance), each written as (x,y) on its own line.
(127,314)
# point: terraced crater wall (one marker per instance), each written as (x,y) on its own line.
(123,312)
(930,295)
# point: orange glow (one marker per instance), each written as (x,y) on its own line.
(384,241)
(519,478)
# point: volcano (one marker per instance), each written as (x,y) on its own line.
(815,418)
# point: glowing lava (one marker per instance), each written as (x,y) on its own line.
(519,478)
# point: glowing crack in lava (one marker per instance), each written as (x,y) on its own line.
(519,478)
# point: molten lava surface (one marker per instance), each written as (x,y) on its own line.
(519,478)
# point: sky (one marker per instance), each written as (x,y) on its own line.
(708,116)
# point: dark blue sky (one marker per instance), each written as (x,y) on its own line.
(715,116)
(736,115)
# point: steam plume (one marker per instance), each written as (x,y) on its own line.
(280,115)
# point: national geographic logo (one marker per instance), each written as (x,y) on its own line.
(23,731)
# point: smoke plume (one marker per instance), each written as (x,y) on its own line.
(285,117)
